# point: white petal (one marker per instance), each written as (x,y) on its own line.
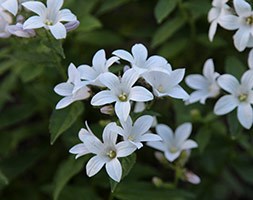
(87,72)
(122,109)
(64,102)
(176,77)
(212,30)
(140,54)
(99,60)
(172,156)
(94,165)
(83,133)
(11,6)
(64,89)
(127,125)
(250,59)
(81,93)
(33,23)
(247,80)
(139,107)
(36,7)
(54,5)
(189,144)
(165,132)
(241,38)
(66,15)
(182,133)
(196,81)
(124,149)
(129,78)
(242,7)
(79,149)
(213,14)
(156,145)
(229,83)
(142,124)
(150,137)
(229,22)
(124,55)
(178,92)
(109,134)
(156,62)
(110,80)
(73,74)
(208,69)
(199,95)
(111,61)
(140,94)
(102,98)
(114,169)
(245,115)
(225,105)
(58,31)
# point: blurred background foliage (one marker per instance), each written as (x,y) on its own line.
(35,165)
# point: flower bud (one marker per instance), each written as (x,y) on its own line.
(20,32)
(108,110)
(70,26)
(191,177)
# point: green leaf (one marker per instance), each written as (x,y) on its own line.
(234,67)
(61,120)
(3,179)
(203,137)
(163,8)
(167,30)
(127,164)
(66,171)
(89,23)
(235,127)
(109,5)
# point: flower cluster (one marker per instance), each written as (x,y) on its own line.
(50,17)
(143,79)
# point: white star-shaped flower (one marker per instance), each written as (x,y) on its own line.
(219,9)
(165,84)
(106,152)
(72,90)
(99,66)
(241,96)
(243,22)
(139,59)
(173,144)
(50,17)
(206,86)
(139,131)
(121,91)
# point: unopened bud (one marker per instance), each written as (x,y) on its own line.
(70,26)
(192,178)
(108,110)
(158,182)
(19,31)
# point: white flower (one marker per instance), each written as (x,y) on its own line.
(219,9)
(99,66)
(165,84)
(121,91)
(139,131)
(173,144)
(206,86)
(5,21)
(107,152)
(241,96)
(250,59)
(19,31)
(243,22)
(10,5)
(49,17)
(139,59)
(72,90)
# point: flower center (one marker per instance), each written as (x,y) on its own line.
(112,154)
(242,97)
(160,88)
(249,20)
(173,149)
(123,97)
(130,138)
(49,22)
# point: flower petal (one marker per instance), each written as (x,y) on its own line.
(242,8)
(189,144)
(150,137)
(111,81)
(64,89)
(122,109)
(33,23)
(165,132)
(124,149)
(36,7)
(208,69)
(142,124)
(182,133)
(140,54)
(11,6)
(129,78)
(229,22)
(156,145)
(99,60)
(58,31)
(54,5)
(212,30)
(172,156)
(250,59)
(225,105)
(64,102)
(247,80)
(109,134)
(229,83)
(114,169)
(94,165)
(140,94)
(178,92)
(87,72)
(124,55)
(241,38)
(102,98)
(245,115)
(66,15)
(79,149)
(196,81)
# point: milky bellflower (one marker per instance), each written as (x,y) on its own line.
(173,144)
(240,97)
(139,59)
(139,131)
(106,152)
(165,84)
(50,17)
(219,9)
(206,86)
(242,22)
(72,90)
(99,66)
(121,91)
